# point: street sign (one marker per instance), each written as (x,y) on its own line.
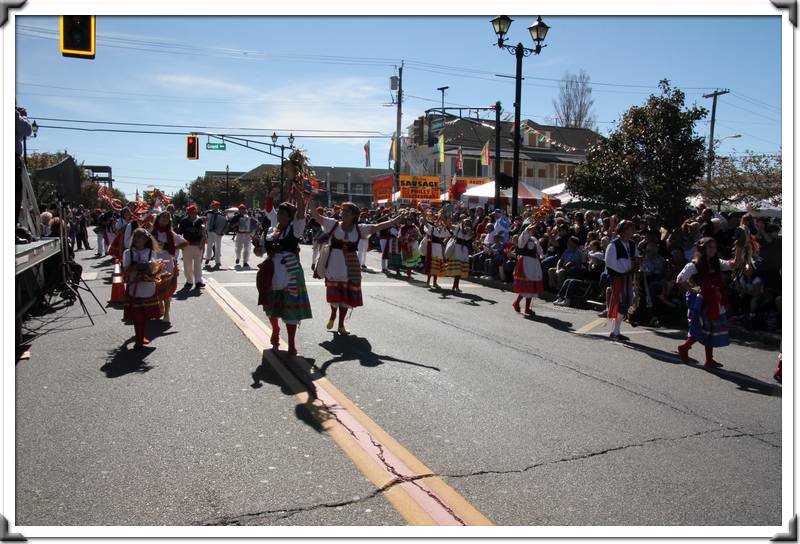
(215,146)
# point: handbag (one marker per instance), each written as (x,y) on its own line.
(450,249)
(321,266)
(423,247)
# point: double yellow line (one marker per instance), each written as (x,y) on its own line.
(418,495)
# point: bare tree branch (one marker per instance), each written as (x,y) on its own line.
(573,108)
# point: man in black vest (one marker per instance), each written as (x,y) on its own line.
(620,255)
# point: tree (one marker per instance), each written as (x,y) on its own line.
(748,180)
(574,104)
(255,192)
(180,199)
(204,190)
(650,163)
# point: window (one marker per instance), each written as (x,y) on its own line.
(542,172)
(471,167)
(508,168)
(485,171)
(529,172)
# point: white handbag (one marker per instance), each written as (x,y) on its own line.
(450,249)
(321,265)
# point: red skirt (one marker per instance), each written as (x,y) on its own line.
(168,285)
(116,249)
(621,296)
(522,285)
(141,308)
(344,293)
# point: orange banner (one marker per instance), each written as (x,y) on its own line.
(419,187)
(382,188)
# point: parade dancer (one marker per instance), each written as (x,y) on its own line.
(141,270)
(280,280)
(409,246)
(191,228)
(215,227)
(244,226)
(170,242)
(435,237)
(707,299)
(117,247)
(528,270)
(620,255)
(457,266)
(343,274)
(390,248)
(363,244)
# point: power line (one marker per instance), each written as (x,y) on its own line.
(755,101)
(753,112)
(747,134)
(163,132)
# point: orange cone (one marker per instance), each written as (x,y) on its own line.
(118,293)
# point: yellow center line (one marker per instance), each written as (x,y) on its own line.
(418,498)
(593,325)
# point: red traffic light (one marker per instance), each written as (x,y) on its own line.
(192,149)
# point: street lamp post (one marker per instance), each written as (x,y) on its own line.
(227,188)
(34,130)
(538,31)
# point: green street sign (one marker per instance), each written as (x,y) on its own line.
(215,146)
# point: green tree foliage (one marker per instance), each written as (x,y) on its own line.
(180,199)
(745,181)
(202,191)
(650,163)
(254,193)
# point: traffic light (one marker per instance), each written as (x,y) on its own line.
(192,148)
(77,36)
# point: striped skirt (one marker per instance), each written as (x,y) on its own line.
(344,293)
(457,269)
(141,308)
(167,286)
(289,304)
(435,266)
(708,332)
(524,285)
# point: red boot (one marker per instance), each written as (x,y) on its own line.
(683,349)
(291,331)
(515,304)
(710,362)
(778,373)
(275,339)
(528,310)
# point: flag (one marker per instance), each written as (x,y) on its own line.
(441,147)
(486,154)
(453,192)
(459,162)
(393,150)
(366,152)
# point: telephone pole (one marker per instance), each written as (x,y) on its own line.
(399,126)
(713,95)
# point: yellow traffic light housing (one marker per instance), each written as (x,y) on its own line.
(77,36)
(192,148)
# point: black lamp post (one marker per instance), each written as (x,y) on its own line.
(274,139)
(34,130)
(538,31)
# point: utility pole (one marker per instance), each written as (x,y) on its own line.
(713,95)
(443,181)
(397,136)
(227,188)
(497,154)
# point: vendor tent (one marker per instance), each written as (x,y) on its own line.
(482,194)
(559,192)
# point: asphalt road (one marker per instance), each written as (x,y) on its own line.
(538,421)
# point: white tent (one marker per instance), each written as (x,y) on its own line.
(480,194)
(559,192)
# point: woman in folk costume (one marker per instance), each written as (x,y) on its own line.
(390,247)
(458,265)
(280,280)
(142,268)
(528,270)
(620,256)
(436,234)
(342,273)
(117,247)
(707,299)
(169,242)
(409,244)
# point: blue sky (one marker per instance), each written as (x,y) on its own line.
(332,73)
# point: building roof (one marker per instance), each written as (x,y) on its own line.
(335,174)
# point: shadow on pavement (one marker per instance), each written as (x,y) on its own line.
(184,293)
(553,322)
(356,348)
(469,300)
(742,381)
(126,360)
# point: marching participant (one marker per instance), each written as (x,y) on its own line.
(191,228)
(343,274)
(244,226)
(390,248)
(169,242)
(319,240)
(620,255)
(409,246)
(141,270)
(118,243)
(363,244)
(707,299)
(528,270)
(280,280)
(436,235)
(215,227)
(457,266)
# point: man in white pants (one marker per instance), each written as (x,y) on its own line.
(215,227)
(191,228)
(244,226)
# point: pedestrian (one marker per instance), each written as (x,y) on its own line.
(457,266)
(436,234)
(191,228)
(390,248)
(215,228)
(280,279)
(244,226)
(528,269)
(141,270)
(100,229)
(83,230)
(707,299)
(620,255)
(363,243)
(343,274)
(170,242)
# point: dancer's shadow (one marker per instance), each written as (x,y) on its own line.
(742,381)
(310,413)
(555,323)
(356,348)
(127,360)
(468,298)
